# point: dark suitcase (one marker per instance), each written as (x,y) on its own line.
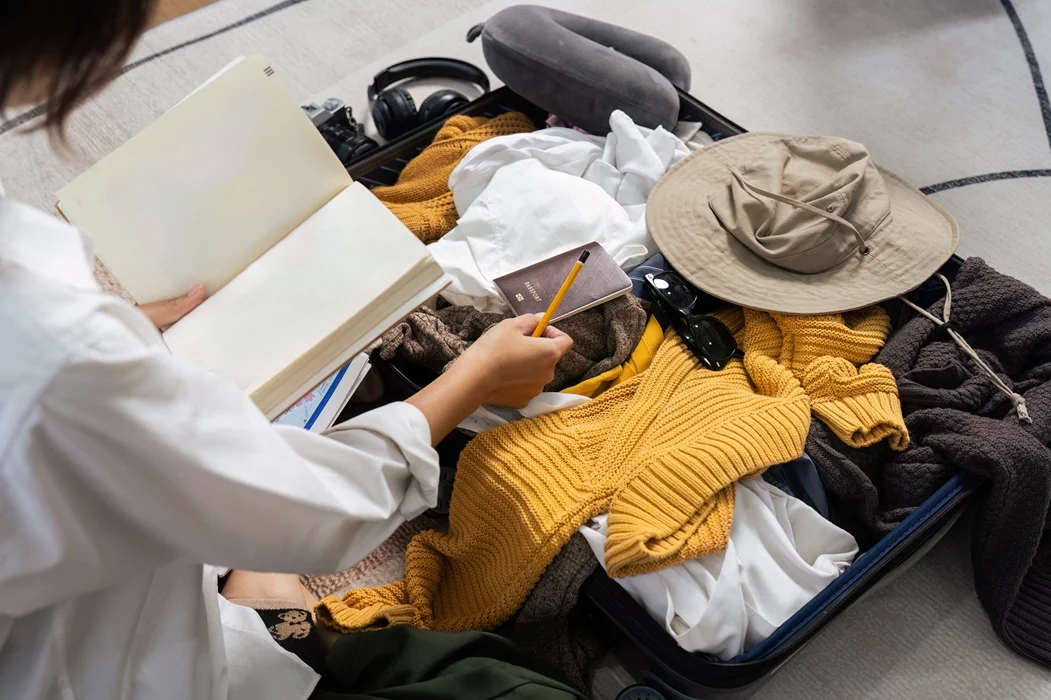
(642,644)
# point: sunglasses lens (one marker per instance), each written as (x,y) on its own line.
(674,291)
(709,339)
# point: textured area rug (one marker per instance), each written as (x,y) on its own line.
(948,93)
(384,565)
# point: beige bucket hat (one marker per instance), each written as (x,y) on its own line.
(796,225)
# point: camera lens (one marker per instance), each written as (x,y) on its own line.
(336,135)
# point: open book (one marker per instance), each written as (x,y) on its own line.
(234,187)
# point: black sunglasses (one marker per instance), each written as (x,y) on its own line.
(706,336)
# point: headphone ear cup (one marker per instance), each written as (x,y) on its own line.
(439,104)
(394,113)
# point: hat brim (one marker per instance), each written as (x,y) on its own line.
(918,239)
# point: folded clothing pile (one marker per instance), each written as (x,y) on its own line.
(421,199)
(655,473)
(526,197)
(661,453)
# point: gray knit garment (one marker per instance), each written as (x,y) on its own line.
(603,337)
(957,420)
(549,625)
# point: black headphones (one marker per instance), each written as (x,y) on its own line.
(394,111)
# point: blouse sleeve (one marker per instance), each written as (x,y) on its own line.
(144,459)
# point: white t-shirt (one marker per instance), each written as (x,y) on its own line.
(123,470)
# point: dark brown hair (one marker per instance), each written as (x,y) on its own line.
(74,46)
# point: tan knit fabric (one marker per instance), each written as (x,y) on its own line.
(421,197)
(659,452)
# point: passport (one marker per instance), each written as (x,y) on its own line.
(531,289)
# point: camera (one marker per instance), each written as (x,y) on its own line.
(340,130)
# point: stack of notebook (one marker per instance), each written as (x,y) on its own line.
(318,409)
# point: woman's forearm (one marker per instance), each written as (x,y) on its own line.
(449,399)
(505,367)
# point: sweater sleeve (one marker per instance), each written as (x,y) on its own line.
(823,353)
(859,404)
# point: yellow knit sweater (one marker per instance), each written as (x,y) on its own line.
(660,453)
(640,359)
(421,197)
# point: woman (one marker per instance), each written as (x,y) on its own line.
(125,472)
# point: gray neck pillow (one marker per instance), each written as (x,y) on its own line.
(581,69)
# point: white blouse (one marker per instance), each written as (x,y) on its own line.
(781,554)
(123,471)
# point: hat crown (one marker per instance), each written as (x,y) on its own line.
(831,174)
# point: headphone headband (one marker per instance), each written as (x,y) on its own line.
(428,68)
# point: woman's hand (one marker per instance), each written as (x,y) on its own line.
(505,367)
(509,365)
(165,313)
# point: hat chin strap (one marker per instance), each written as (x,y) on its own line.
(1017,400)
(760,192)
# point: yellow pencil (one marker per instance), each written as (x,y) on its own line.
(557,301)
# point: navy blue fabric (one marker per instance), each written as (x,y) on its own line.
(799,478)
(654,265)
(706,303)
(862,564)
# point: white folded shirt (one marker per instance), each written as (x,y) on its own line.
(781,554)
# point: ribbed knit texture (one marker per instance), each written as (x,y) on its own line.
(638,362)
(860,406)
(421,197)
(660,453)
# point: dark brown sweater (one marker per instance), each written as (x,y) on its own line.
(958,420)
(603,337)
